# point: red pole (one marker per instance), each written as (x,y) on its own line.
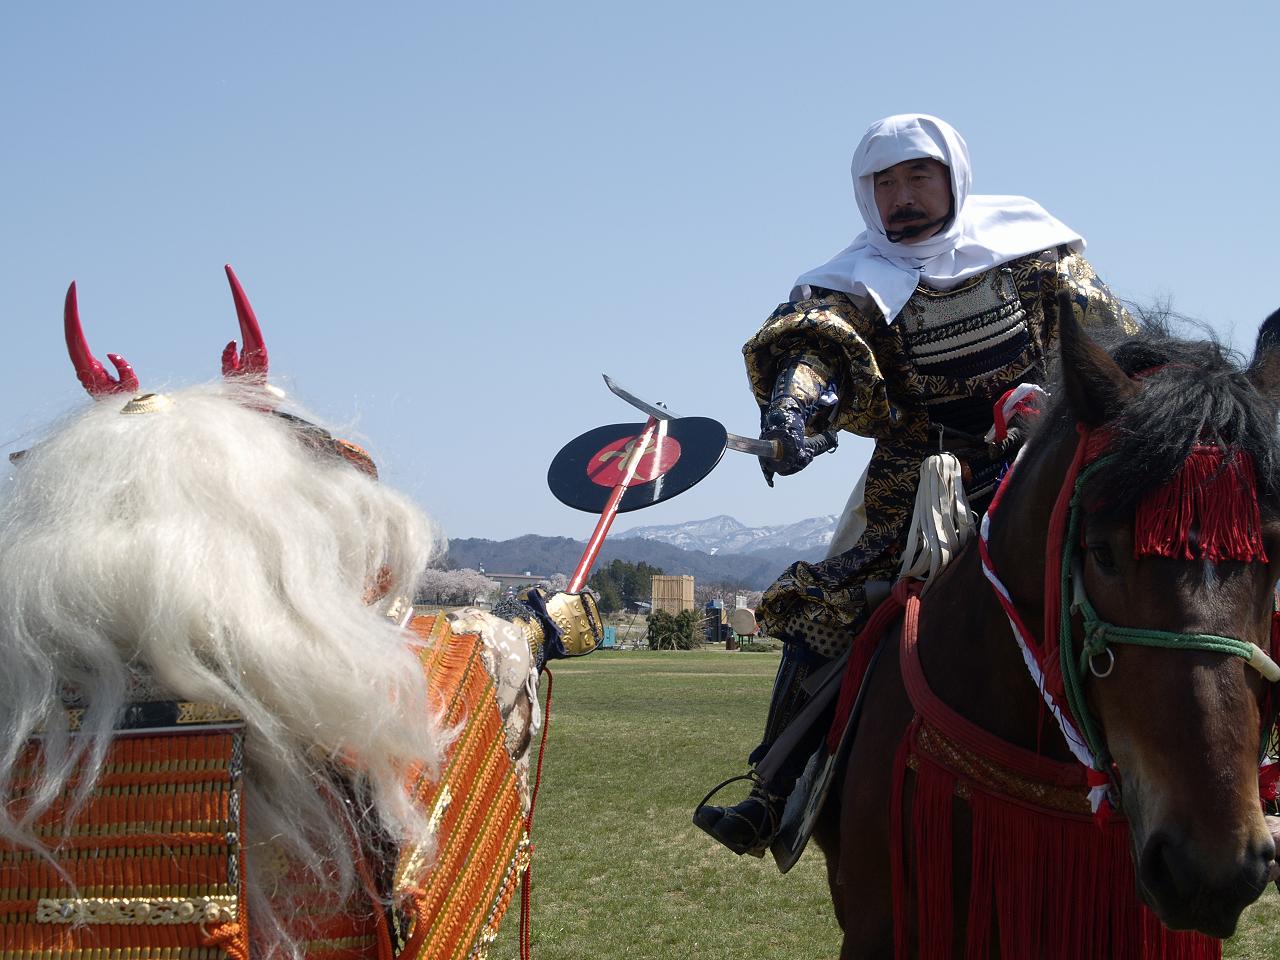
(579,578)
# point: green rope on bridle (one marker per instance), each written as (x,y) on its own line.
(1099,635)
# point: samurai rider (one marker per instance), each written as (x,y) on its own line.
(911,333)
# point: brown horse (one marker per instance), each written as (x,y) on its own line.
(1184,728)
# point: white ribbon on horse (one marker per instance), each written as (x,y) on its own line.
(942,522)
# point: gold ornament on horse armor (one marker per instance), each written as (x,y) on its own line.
(147,403)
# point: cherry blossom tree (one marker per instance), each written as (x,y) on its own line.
(454,587)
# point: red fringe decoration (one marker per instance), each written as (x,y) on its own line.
(931,831)
(1043,885)
(899,847)
(1216,493)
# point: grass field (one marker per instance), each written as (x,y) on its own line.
(620,873)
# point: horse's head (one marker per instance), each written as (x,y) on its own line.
(1175,547)
(203,546)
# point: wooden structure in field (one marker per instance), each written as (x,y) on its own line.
(672,594)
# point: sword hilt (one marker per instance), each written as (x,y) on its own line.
(824,442)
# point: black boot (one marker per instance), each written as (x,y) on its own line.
(750,826)
(746,827)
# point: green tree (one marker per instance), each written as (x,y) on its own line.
(637,580)
(619,582)
(609,599)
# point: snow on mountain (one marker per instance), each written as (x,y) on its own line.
(724,534)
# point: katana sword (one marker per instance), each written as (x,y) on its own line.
(769,449)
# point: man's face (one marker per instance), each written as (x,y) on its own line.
(910,195)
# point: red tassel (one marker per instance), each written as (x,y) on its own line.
(900,847)
(931,835)
(978,942)
(1043,886)
(1020,877)
(1215,496)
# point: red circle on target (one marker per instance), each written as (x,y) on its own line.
(606,466)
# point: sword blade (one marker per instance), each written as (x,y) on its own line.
(652,409)
(769,449)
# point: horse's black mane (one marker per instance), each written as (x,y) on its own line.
(1193,391)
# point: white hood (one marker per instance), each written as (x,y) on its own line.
(985,232)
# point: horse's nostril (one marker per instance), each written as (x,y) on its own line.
(1262,865)
(1267,850)
(1165,869)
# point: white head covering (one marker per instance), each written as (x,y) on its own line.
(985,232)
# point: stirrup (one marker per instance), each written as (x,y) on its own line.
(756,836)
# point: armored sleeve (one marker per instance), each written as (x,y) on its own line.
(830,332)
(1093,303)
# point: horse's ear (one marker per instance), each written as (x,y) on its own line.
(1264,369)
(1096,386)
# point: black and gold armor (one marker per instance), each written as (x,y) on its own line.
(943,362)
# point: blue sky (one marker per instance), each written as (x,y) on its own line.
(452,218)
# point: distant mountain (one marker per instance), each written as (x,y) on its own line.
(724,534)
(548,555)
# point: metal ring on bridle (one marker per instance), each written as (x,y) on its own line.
(1111,664)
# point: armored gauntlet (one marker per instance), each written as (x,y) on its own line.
(556,625)
(803,396)
(578,619)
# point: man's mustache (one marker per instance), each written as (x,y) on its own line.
(909,213)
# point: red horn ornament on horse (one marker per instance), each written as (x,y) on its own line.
(252,360)
(249,363)
(89,371)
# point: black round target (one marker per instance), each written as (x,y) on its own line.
(588,468)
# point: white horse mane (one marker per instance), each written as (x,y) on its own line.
(206,546)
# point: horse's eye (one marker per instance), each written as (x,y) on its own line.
(1102,556)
